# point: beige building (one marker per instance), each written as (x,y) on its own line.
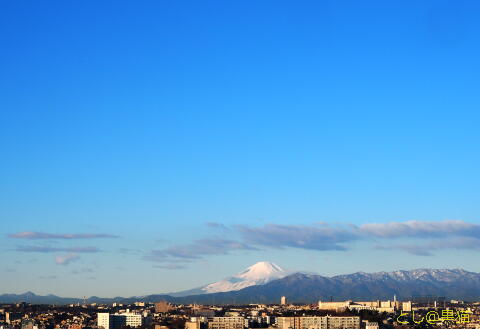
(381,306)
(226,322)
(407,306)
(192,325)
(333,306)
(319,322)
(371,325)
(103,320)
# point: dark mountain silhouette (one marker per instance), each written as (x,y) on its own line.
(307,288)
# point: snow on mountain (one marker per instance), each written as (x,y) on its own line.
(262,274)
(266,282)
(430,275)
(259,273)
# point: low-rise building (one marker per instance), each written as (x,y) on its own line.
(226,322)
(120,320)
(319,322)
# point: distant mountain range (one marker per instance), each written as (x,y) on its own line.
(257,274)
(266,282)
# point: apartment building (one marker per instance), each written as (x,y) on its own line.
(119,320)
(226,322)
(319,322)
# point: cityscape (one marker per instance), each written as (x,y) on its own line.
(424,313)
(151,312)
(239,164)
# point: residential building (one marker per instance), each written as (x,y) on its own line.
(333,306)
(407,306)
(192,324)
(119,320)
(103,320)
(371,325)
(319,322)
(226,322)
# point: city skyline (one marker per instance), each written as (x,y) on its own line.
(153,147)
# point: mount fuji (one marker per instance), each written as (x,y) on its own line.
(266,282)
(258,274)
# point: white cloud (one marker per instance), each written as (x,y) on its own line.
(66,259)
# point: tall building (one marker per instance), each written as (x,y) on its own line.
(7,317)
(319,322)
(103,320)
(283,300)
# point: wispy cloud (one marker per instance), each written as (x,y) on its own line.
(423,237)
(83,270)
(216,225)
(171,267)
(29,235)
(66,259)
(127,251)
(48,277)
(427,248)
(43,249)
(197,250)
(434,235)
(296,236)
(420,229)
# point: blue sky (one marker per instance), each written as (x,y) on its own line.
(153,146)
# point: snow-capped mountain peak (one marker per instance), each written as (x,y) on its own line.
(262,271)
(259,273)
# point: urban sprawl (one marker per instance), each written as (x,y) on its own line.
(323,315)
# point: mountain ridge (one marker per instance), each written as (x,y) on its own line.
(305,288)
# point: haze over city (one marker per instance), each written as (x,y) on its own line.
(155,147)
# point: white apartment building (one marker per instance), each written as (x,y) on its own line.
(319,322)
(103,320)
(132,320)
(119,320)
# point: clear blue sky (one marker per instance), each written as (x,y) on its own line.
(167,133)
